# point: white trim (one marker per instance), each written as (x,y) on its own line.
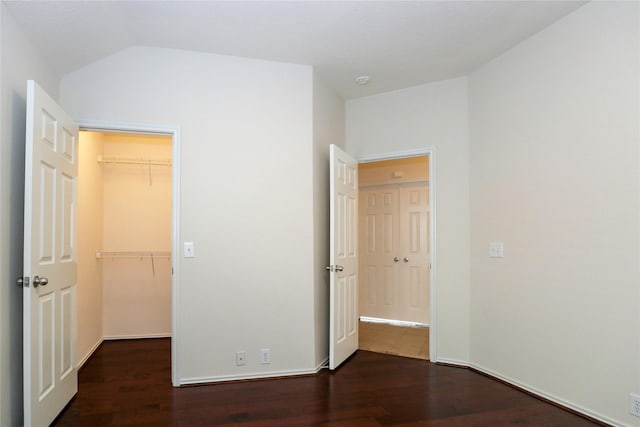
(175,260)
(137,337)
(126,127)
(174,131)
(433,283)
(431,152)
(89,353)
(395,155)
(453,362)
(323,365)
(249,376)
(551,397)
(393,322)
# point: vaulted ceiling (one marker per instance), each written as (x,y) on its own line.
(397,43)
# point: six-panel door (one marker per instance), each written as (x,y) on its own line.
(343,252)
(394,260)
(49,329)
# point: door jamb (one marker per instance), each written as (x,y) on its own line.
(174,131)
(431,153)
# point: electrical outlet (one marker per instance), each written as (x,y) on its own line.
(496,250)
(265,356)
(240,358)
(634,404)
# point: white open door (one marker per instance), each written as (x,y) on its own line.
(49,335)
(343,249)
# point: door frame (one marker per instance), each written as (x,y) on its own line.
(174,132)
(433,290)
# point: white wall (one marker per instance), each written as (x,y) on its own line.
(136,217)
(246,197)
(554,126)
(328,128)
(19,63)
(431,115)
(89,211)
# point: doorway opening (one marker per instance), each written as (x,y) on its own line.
(126,219)
(395,258)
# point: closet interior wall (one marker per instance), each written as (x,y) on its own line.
(124,211)
(90,213)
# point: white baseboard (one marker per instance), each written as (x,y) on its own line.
(324,364)
(89,353)
(243,377)
(453,362)
(136,337)
(550,397)
(393,322)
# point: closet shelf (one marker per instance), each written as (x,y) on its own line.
(129,161)
(133,254)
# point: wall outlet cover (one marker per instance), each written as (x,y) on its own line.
(265,356)
(634,404)
(496,250)
(241,358)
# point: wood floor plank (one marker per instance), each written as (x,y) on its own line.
(128,383)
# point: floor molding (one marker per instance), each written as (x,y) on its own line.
(394,322)
(545,397)
(247,377)
(323,365)
(136,337)
(90,353)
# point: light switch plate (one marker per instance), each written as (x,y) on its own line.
(188,250)
(496,250)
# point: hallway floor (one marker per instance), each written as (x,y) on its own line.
(397,340)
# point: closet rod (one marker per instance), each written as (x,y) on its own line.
(124,161)
(132,254)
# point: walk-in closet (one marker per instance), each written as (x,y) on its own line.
(124,236)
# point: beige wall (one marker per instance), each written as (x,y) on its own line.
(554,127)
(89,240)
(432,115)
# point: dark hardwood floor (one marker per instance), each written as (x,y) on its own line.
(127,383)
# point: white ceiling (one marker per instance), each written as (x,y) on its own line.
(398,43)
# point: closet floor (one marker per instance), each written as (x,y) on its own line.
(397,340)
